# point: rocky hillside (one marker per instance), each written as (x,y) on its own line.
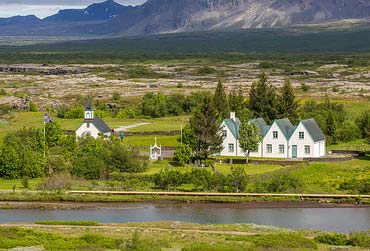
(169,16)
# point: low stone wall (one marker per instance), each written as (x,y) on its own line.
(329,159)
(349,152)
(262,162)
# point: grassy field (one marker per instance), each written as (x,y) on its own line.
(174,236)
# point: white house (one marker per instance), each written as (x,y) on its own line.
(280,140)
(92,126)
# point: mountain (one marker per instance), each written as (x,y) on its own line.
(172,16)
(101,11)
(19,20)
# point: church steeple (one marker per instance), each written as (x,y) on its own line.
(89,109)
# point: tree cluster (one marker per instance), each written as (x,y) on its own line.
(27,153)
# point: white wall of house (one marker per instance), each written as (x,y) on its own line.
(306,147)
(87,129)
(275,147)
(320,149)
(280,147)
(228,140)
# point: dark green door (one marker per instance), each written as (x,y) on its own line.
(294,152)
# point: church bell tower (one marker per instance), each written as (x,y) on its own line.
(89,110)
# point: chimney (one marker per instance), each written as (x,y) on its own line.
(232,116)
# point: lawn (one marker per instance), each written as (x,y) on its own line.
(9,184)
(357,145)
(326,177)
(19,120)
(150,139)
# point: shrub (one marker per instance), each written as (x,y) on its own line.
(332,239)
(283,242)
(183,154)
(25,182)
(61,181)
(305,87)
(361,239)
(206,70)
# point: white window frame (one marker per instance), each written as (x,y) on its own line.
(299,135)
(269,148)
(275,133)
(307,149)
(231,146)
(281,149)
(224,133)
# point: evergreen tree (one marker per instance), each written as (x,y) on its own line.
(249,138)
(364,125)
(206,129)
(220,101)
(287,103)
(263,100)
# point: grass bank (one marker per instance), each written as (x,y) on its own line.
(173,236)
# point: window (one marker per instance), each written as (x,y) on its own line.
(307,150)
(281,148)
(275,134)
(269,148)
(224,133)
(231,148)
(301,135)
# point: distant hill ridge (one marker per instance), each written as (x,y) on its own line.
(171,16)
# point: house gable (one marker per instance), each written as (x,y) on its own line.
(284,128)
(311,128)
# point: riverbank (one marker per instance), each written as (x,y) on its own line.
(81,200)
(53,205)
(174,236)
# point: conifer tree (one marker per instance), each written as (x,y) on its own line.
(220,101)
(287,103)
(206,129)
(263,100)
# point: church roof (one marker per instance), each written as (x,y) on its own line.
(101,125)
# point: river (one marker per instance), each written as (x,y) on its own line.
(331,219)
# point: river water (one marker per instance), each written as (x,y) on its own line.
(331,219)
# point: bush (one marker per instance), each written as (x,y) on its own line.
(206,70)
(61,181)
(283,242)
(25,182)
(361,239)
(348,132)
(33,107)
(332,239)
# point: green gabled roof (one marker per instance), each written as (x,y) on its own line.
(285,126)
(313,129)
(261,125)
(233,126)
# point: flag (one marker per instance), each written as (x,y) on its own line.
(47,118)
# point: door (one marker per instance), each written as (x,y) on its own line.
(294,151)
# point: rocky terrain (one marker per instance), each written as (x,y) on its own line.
(169,16)
(102,81)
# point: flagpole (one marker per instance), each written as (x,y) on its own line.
(44,138)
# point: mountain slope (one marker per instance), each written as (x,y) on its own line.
(171,16)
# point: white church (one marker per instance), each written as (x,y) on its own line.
(279,140)
(92,126)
